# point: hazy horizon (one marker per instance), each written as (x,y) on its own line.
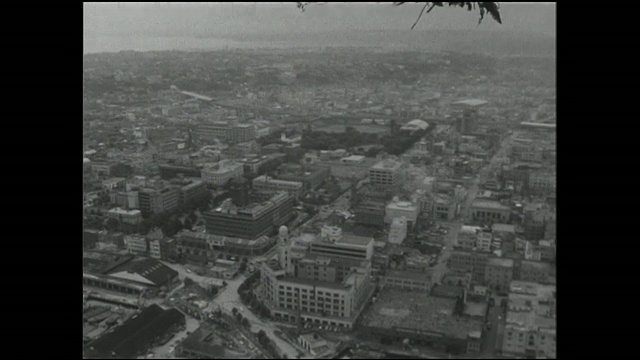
(126,26)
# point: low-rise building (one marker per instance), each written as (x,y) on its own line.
(314,344)
(444,207)
(406,280)
(125,216)
(425,319)
(536,272)
(225,269)
(266,183)
(489,212)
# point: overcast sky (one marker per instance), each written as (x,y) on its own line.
(210,19)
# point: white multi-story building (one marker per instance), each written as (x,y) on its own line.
(330,285)
(220,173)
(385,173)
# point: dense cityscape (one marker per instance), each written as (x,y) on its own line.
(333,202)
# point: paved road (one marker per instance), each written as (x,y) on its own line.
(229,299)
(490,337)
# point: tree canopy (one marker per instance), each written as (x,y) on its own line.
(492,8)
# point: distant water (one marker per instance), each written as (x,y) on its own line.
(116,43)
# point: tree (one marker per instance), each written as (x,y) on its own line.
(234,311)
(246,323)
(188,281)
(243,267)
(491,8)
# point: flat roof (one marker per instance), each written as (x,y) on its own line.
(414,311)
(471,102)
(314,283)
(503,228)
(387,165)
(224,240)
(488,204)
(500,262)
(355,240)
(409,275)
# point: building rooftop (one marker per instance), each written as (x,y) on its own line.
(98,262)
(135,335)
(221,166)
(124,212)
(495,261)
(353,158)
(476,309)
(493,205)
(314,283)
(412,311)
(148,271)
(201,341)
(504,228)
(402,205)
(387,165)
(471,102)
(219,240)
(409,275)
(355,240)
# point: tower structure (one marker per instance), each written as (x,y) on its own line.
(284,249)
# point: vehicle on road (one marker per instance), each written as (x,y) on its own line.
(189,271)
